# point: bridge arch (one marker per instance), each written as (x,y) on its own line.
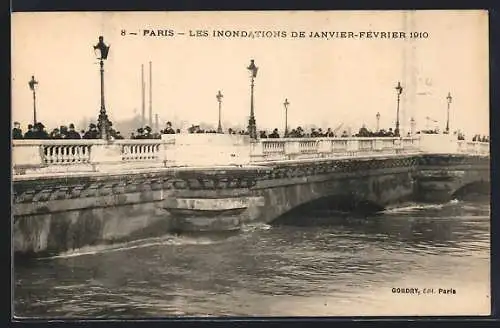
(360,195)
(472,189)
(327,207)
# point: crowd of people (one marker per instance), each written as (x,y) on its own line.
(318,133)
(478,137)
(37,131)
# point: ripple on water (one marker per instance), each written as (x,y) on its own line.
(347,266)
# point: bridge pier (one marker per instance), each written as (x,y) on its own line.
(439,177)
(211,214)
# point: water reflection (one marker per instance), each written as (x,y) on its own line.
(279,270)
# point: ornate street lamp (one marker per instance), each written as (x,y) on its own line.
(399,90)
(102,121)
(219,99)
(448,98)
(252,127)
(32,84)
(285,104)
(378,121)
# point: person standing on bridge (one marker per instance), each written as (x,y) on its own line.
(17,133)
(146,133)
(363,132)
(71,133)
(64,131)
(92,133)
(55,134)
(40,132)
(168,129)
(275,134)
(30,134)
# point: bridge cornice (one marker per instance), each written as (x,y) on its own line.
(181,179)
(295,169)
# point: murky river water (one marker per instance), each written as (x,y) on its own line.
(336,265)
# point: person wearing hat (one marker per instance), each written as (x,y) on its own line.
(71,133)
(140,134)
(17,133)
(274,134)
(64,131)
(55,134)
(92,133)
(30,134)
(40,132)
(118,135)
(147,133)
(168,129)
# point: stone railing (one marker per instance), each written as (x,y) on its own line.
(447,144)
(473,147)
(191,150)
(58,156)
(141,150)
(59,152)
(66,156)
(307,148)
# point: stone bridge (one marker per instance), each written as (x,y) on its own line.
(69,194)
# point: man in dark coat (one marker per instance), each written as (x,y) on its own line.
(147,133)
(64,132)
(71,133)
(168,129)
(275,134)
(30,134)
(40,132)
(92,133)
(17,133)
(140,134)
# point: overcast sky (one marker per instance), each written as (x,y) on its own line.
(327,82)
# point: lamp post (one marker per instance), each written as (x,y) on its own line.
(33,83)
(378,121)
(448,98)
(102,121)
(219,100)
(399,90)
(285,104)
(412,126)
(252,128)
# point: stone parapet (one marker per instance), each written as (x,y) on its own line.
(209,150)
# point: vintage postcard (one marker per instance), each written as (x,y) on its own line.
(284,163)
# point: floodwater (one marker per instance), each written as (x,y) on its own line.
(329,264)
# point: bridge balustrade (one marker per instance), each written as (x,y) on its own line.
(473,147)
(141,150)
(62,156)
(274,147)
(66,154)
(303,148)
(308,146)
